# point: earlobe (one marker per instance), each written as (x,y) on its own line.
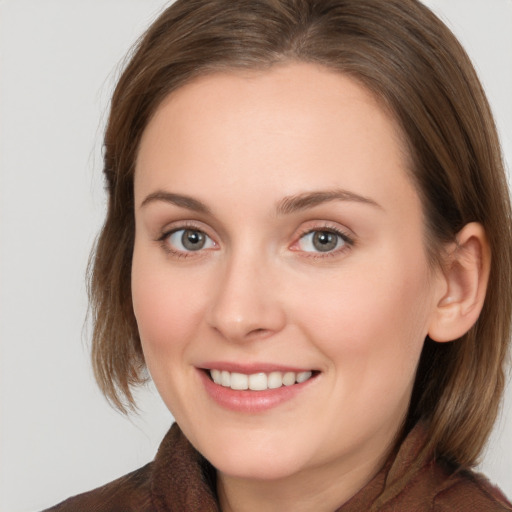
(465,276)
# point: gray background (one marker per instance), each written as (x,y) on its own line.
(58,63)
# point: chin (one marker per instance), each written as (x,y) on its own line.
(262,469)
(273,461)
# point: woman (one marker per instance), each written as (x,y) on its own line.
(308,246)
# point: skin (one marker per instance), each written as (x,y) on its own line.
(260,293)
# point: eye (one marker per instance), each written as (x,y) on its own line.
(322,241)
(187,240)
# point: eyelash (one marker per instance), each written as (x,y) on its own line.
(347,239)
(162,239)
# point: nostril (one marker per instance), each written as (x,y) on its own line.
(259,333)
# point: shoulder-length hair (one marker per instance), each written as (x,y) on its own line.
(413,64)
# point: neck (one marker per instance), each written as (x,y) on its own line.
(321,489)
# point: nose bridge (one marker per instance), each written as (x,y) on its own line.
(245,304)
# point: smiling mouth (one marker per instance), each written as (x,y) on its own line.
(258,381)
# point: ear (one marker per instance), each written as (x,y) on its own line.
(465,275)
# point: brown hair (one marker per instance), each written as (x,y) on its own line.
(411,61)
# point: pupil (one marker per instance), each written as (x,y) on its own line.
(324,241)
(193,240)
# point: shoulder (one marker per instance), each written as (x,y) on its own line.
(130,493)
(467,490)
(417,481)
(178,479)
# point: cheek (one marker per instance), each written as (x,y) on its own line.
(167,306)
(371,319)
(168,309)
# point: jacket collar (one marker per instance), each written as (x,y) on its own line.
(183,480)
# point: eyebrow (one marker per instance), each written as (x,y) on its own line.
(307,200)
(285,206)
(180,200)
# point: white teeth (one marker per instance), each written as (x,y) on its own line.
(258,381)
(225,379)
(274,380)
(239,381)
(289,378)
(303,376)
(216,376)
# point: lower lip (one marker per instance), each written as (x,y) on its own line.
(251,401)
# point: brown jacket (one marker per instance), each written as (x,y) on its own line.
(180,480)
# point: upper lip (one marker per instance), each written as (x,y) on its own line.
(251,368)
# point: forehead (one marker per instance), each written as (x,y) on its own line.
(295,126)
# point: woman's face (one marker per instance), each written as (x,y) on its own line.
(280,245)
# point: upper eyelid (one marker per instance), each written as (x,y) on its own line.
(348,240)
(171,228)
(337,231)
(210,226)
(327,226)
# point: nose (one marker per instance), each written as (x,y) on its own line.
(246,305)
